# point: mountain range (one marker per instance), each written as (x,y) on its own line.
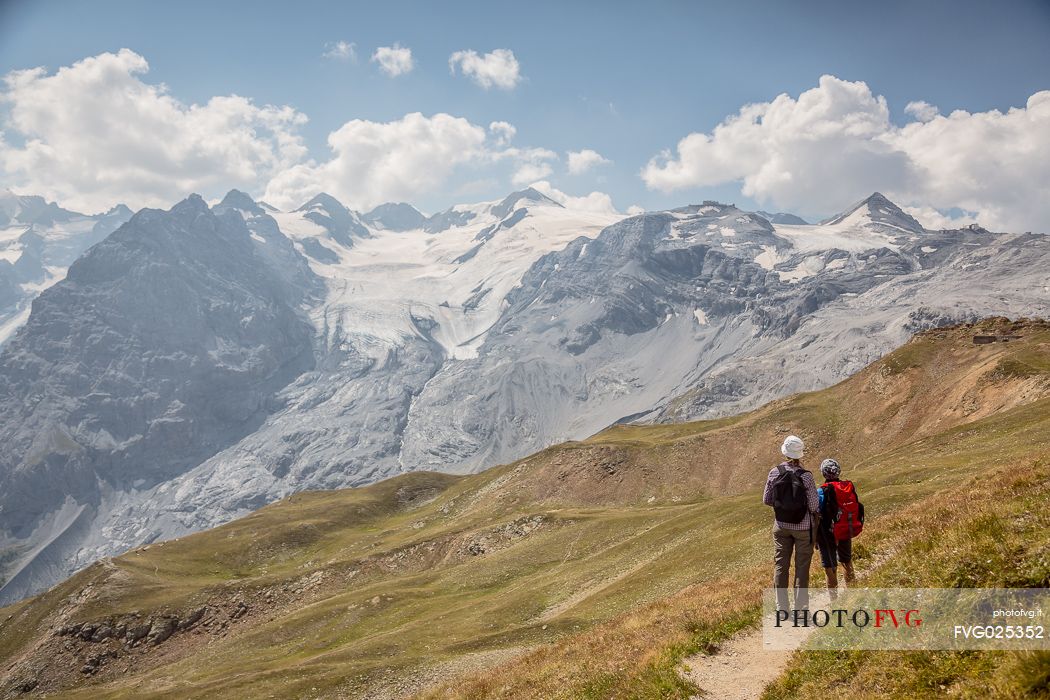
(194,364)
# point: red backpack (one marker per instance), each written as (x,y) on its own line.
(848,523)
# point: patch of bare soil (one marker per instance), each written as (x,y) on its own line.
(740,670)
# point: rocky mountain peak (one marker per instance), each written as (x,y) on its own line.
(235,199)
(877,209)
(194,204)
(514,200)
(343,224)
(324,201)
(31,209)
(395,216)
(119,210)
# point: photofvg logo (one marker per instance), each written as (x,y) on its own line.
(841,617)
(907,618)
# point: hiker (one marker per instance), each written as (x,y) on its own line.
(841,519)
(792,493)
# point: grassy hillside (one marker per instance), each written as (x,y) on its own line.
(587,570)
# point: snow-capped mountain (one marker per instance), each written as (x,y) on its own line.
(782,218)
(321,348)
(38,241)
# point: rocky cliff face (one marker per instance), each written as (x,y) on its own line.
(163,345)
(200,363)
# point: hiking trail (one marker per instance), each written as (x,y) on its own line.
(740,670)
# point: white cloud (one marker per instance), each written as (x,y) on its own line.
(532,163)
(922,110)
(394,60)
(598,202)
(635,210)
(582,161)
(376,162)
(93,134)
(341,51)
(503,131)
(933,219)
(496,69)
(529,172)
(835,144)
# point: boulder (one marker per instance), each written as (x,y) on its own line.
(161,629)
(193,618)
(136,632)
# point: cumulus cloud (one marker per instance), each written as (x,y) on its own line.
(531,163)
(498,68)
(504,132)
(93,134)
(528,172)
(394,60)
(921,110)
(835,144)
(582,161)
(376,162)
(341,51)
(635,210)
(598,202)
(823,148)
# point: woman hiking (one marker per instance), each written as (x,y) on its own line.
(841,519)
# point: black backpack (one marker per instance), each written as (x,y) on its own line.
(790,503)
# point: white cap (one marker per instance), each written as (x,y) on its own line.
(793,447)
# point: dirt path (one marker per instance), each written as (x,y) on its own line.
(739,671)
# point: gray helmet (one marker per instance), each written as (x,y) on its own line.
(830,469)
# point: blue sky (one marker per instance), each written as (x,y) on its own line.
(627,80)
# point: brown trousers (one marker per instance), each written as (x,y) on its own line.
(786,542)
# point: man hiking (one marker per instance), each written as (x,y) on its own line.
(792,493)
(841,519)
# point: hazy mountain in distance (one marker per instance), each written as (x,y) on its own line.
(782,218)
(395,217)
(38,241)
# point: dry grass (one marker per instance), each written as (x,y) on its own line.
(633,656)
(993,531)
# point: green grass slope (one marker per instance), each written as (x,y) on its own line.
(587,570)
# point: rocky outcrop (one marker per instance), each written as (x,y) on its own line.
(95,645)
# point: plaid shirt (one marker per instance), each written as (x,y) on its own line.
(811,498)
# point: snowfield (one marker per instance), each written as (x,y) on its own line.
(383,285)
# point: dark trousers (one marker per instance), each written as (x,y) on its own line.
(832,552)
